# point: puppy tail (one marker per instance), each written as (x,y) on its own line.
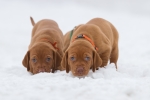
(32,21)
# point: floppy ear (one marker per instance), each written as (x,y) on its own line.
(25,61)
(64,62)
(57,61)
(97,61)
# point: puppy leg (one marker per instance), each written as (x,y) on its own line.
(114,56)
(105,57)
(60,68)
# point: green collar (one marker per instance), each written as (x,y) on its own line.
(71,34)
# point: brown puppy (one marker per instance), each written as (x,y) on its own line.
(45,50)
(92,45)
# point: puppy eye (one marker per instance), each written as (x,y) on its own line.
(87,58)
(34,60)
(48,59)
(72,58)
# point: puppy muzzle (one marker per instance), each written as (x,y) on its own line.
(41,70)
(80,71)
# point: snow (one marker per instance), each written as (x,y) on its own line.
(130,82)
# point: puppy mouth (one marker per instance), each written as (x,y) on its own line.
(80,71)
(42,70)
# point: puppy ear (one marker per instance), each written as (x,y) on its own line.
(97,61)
(25,61)
(32,21)
(57,61)
(64,62)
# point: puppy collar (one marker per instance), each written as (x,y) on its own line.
(53,44)
(87,38)
(71,33)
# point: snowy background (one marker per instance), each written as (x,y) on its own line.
(130,82)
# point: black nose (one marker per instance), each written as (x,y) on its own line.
(80,71)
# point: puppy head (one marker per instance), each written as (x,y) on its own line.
(80,57)
(41,58)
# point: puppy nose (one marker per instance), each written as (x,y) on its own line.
(80,71)
(41,70)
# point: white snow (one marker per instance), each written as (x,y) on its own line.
(130,82)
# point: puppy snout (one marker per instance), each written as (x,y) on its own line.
(80,71)
(41,70)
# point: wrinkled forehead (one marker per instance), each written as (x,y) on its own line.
(79,50)
(80,45)
(41,50)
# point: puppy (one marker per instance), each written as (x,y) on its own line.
(45,50)
(90,46)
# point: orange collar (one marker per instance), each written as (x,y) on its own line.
(87,38)
(53,44)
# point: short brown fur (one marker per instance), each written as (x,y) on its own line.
(105,37)
(42,56)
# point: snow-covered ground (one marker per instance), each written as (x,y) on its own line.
(130,82)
